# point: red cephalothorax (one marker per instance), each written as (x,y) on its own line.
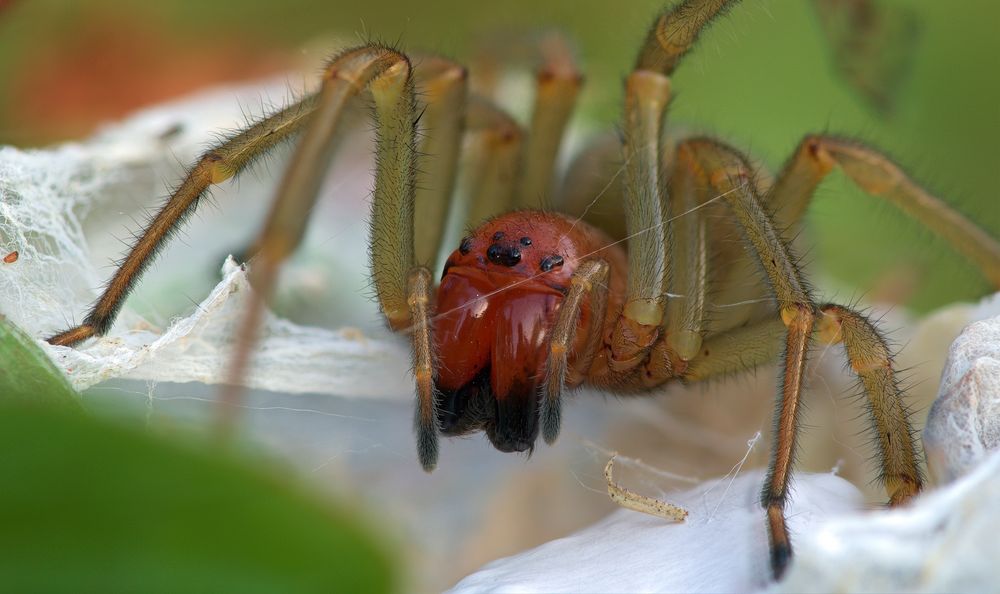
(496,305)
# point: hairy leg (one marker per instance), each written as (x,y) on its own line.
(491,154)
(878,175)
(219,163)
(388,75)
(685,318)
(588,282)
(558,83)
(729,174)
(737,351)
(442,91)
(871,360)
(647,94)
(420,299)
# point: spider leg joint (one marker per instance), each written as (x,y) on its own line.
(829,328)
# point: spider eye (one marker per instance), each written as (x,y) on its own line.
(498,236)
(465,246)
(550,262)
(525,241)
(505,256)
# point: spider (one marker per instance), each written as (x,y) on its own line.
(533,302)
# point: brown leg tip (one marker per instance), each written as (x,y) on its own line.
(781,556)
(780,544)
(551,419)
(903,491)
(72,336)
(427,447)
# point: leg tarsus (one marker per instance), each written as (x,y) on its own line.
(73,336)
(729,174)
(589,281)
(780,543)
(420,286)
(786,423)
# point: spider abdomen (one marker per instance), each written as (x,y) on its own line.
(496,303)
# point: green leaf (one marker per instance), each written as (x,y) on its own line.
(27,374)
(87,505)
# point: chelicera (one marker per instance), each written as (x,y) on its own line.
(533,302)
(498,302)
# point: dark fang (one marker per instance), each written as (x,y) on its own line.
(525,241)
(551,262)
(465,246)
(503,255)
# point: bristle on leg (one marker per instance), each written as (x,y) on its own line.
(427,443)
(550,416)
(418,300)
(589,283)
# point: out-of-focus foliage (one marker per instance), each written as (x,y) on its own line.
(873,44)
(27,376)
(762,77)
(91,506)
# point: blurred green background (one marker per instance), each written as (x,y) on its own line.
(761,78)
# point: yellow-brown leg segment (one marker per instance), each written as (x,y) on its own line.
(799,320)
(878,175)
(558,83)
(729,174)
(588,282)
(420,287)
(737,351)
(685,312)
(871,360)
(646,97)
(676,31)
(219,163)
(387,73)
(491,156)
(443,88)
(647,94)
